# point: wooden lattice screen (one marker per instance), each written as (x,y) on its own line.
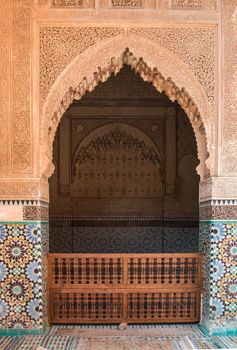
(114,288)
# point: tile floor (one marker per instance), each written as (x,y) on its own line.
(135,337)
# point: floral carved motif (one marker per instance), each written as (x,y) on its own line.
(186,4)
(70,4)
(230,73)
(21,87)
(35,213)
(66,3)
(194,46)
(127,3)
(4,85)
(59,45)
(218,212)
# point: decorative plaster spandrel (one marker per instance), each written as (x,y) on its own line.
(148,74)
(4,84)
(229,130)
(59,45)
(195,46)
(99,55)
(21,87)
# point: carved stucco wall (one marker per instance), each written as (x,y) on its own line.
(229,124)
(16,138)
(131,4)
(60,45)
(193,48)
(4,85)
(100,56)
(15,88)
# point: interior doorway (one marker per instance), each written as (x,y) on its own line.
(125,173)
(125,182)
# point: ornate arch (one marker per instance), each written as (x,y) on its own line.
(171,67)
(117,154)
(111,135)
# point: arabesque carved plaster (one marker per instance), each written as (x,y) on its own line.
(188,49)
(184,4)
(4,86)
(24,189)
(109,55)
(229,129)
(15,88)
(195,46)
(60,45)
(198,74)
(21,118)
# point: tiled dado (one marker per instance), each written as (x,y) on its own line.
(123,234)
(223,270)
(218,242)
(23,271)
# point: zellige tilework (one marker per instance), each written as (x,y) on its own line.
(21,274)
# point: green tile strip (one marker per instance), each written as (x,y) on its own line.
(23,222)
(20,332)
(224,332)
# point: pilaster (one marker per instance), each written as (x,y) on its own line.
(218,242)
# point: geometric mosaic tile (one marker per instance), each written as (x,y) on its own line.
(21,262)
(220,272)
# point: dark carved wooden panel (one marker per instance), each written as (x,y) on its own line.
(166,307)
(86,307)
(86,270)
(112,288)
(166,270)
